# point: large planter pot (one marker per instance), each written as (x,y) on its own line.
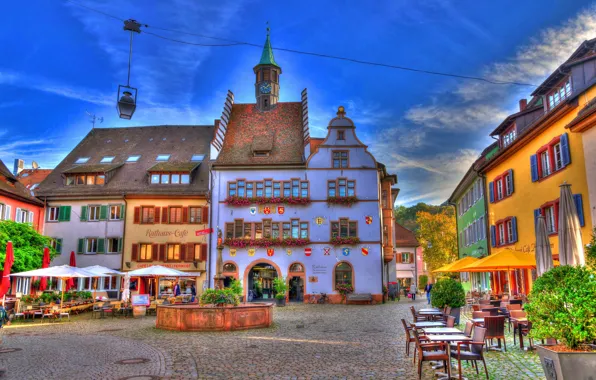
(280,301)
(567,365)
(455,312)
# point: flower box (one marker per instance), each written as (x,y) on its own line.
(345,241)
(344,201)
(265,243)
(239,201)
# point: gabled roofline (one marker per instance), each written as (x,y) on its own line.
(511,118)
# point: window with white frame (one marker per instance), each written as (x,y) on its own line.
(499,189)
(113,245)
(91,245)
(22,216)
(545,163)
(551,225)
(115,212)
(559,94)
(509,226)
(23,285)
(2,211)
(53,213)
(558,156)
(93,213)
(501,233)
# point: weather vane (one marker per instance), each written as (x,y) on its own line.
(94,118)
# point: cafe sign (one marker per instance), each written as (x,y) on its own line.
(161,233)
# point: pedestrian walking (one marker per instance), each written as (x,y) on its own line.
(413,291)
(428,289)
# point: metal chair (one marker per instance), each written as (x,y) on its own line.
(474,351)
(431,351)
(450,322)
(495,329)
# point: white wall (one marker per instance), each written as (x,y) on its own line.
(589,142)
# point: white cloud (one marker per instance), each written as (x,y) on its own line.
(455,118)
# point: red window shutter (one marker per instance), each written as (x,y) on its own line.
(205,216)
(164,215)
(162,252)
(137,215)
(190,252)
(156,215)
(184,214)
(154,252)
(135,251)
(183,252)
(203,252)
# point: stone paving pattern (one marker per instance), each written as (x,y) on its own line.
(306,341)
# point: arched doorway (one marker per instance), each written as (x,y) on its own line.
(230,272)
(296,283)
(260,282)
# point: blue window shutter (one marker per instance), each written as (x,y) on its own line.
(514,228)
(565,153)
(534,167)
(579,205)
(511,180)
(491,192)
(536,215)
(493,236)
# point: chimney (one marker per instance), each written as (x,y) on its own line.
(19,165)
(523,103)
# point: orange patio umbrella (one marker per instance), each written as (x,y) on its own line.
(456,265)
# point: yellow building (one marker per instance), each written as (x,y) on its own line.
(167,214)
(538,153)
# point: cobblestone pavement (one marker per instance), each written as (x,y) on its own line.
(306,341)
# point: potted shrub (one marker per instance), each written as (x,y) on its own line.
(562,306)
(448,292)
(281,288)
(236,287)
(344,290)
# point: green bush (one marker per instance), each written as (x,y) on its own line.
(591,251)
(422,281)
(448,292)
(280,287)
(562,305)
(236,287)
(219,297)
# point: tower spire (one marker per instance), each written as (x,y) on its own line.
(267,55)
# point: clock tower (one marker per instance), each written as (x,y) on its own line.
(267,73)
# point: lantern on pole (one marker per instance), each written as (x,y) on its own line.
(127,95)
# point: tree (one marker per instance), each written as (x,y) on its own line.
(406,216)
(438,236)
(28,245)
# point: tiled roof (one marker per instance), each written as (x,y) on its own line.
(315,142)
(30,177)
(12,188)
(282,126)
(174,167)
(588,109)
(94,168)
(180,142)
(404,237)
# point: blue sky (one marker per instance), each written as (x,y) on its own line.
(59,60)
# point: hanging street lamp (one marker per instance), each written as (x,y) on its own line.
(127,95)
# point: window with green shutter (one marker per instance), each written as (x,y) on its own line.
(59,246)
(121,213)
(103,212)
(101,245)
(120,245)
(64,214)
(83,213)
(81,246)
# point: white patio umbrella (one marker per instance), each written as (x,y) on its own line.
(101,271)
(157,271)
(63,272)
(544,255)
(571,249)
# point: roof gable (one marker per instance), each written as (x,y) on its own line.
(404,237)
(11,187)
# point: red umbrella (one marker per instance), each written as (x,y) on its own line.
(8,261)
(141,285)
(73,263)
(45,262)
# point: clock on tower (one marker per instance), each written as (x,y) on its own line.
(267,73)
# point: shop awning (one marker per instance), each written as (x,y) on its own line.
(405,274)
(456,265)
(507,259)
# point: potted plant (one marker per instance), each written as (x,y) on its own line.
(281,288)
(236,287)
(449,292)
(219,297)
(562,306)
(344,290)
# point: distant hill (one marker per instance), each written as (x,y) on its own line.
(406,216)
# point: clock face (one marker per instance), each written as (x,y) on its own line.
(265,88)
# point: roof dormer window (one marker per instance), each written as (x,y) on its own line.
(107,159)
(162,157)
(197,157)
(560,93)
(133,158)
(509,136)
(82,160)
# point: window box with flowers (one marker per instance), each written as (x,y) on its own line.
(266,243)
(344,201)
(240,201)
(345,240)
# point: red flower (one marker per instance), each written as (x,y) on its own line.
(266,242)
(239,201)
(348,201)
(345,240)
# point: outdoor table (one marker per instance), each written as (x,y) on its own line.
(448,338)
(442,330)
(493,310)
(428,310)
(421,325)
(520,323)
(477,321)
(430,314)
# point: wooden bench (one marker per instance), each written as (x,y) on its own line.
(359,297)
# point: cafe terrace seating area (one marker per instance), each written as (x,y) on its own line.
(489,326)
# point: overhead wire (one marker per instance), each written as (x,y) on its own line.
(294,51)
